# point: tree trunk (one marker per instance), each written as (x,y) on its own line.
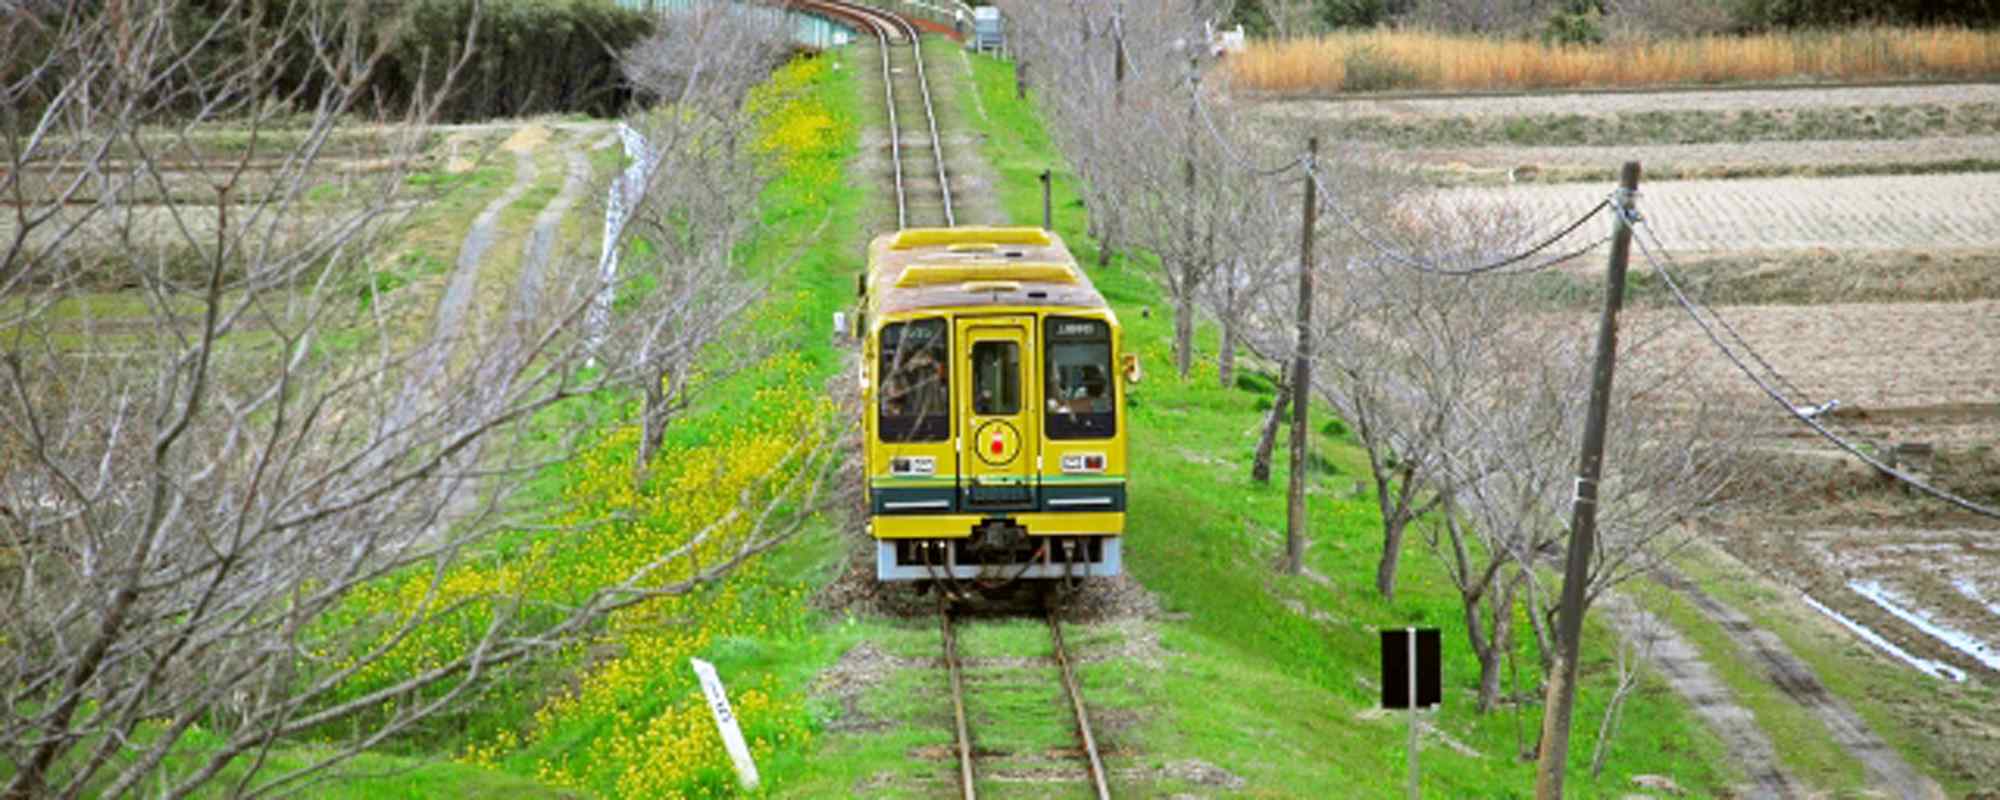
(652,429)
(1392,555)
(1260,467)
(1501,611)
(1225,361)
(1184,333)
(1545,646)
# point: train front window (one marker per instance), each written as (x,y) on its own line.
(1080,400)
(996,378)
(915,404)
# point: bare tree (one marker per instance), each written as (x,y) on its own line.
(695,202)
(1101,62)
(196,480)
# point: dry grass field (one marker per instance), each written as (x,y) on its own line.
(1860,262)
(1409,60)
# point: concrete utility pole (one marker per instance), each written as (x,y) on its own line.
(1560,703)
(1295,513)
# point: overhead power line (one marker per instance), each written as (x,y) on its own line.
(1494,265)
(1810,420)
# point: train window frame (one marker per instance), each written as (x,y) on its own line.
(920,427)
(1006,402)
(1058,421)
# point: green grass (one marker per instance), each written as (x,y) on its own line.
(1240,679)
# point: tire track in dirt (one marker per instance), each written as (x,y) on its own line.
(449,318)
(1877,212)
(1680,662)
(542,239)
(1886,768)
(457,299)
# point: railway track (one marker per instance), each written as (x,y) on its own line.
(1074,691)
(907,94)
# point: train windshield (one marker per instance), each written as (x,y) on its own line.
(916,382)
(1080,401)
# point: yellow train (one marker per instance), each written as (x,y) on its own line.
(993,385)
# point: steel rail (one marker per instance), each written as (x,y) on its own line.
(888,26)
(930,116)
(957,701)
(1076,704)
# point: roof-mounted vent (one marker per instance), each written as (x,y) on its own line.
(979,235)
(1017,271)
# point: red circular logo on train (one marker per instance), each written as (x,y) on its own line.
(997,443)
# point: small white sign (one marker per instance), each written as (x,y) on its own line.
(725,721)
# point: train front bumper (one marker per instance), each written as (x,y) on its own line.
(1040,558)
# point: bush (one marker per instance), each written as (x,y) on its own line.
(1368,69)
(528,57)
(1573,27)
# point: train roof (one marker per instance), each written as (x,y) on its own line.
(919,268)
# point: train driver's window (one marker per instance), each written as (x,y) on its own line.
(996,378)
(915,382)
(1079,381)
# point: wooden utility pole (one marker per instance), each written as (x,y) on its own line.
(1560,702)
(1295,513)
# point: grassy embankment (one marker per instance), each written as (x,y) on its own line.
(1265,677)
(620,714)
(1408,60)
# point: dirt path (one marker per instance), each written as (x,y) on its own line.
(542,239)
(1886,768)
(1681,664)
(449,324)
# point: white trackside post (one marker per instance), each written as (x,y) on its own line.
(725,721)
(1413,712)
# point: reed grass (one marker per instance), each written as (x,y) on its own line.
(1410,60)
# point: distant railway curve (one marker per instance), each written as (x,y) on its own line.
(907,84)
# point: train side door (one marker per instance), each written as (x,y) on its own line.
(1000,433)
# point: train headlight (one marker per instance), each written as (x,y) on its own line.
(1083,462)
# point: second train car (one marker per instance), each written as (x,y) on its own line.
(994,385)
